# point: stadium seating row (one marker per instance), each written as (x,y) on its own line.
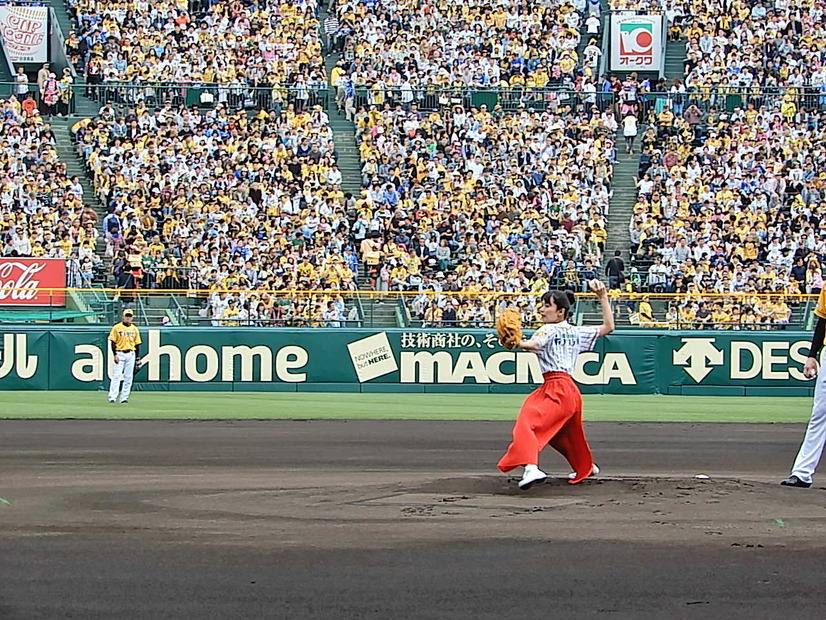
(470,195)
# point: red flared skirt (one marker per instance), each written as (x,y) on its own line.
(551,414)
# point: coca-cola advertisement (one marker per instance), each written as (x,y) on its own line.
(31,282)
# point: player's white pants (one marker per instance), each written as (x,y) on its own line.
(123,371)
(809,455)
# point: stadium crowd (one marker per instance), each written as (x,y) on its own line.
(425,218)
(408,44)
(221,199)
(750,44)
(463,197)
(41,208)
(440,53)
(510,195)
(732,206)
(234,46)
(729,191)
(514,201)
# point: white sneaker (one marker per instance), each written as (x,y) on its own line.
(111,400)
(594,472)
(533,475)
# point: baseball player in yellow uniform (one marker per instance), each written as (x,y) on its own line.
(810,451)
(125,340)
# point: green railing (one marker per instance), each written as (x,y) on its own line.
(427,98)
(125,95)
(554,99)
(397,309)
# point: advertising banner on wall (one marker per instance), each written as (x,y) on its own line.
(25,32)
(639,362)
(636,43)
(26,282)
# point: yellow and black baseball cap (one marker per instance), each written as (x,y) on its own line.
(128,312)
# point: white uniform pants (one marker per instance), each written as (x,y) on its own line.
(809,455)
(123,371)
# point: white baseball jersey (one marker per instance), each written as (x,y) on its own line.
(561,344)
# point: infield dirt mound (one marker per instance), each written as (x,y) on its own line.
(401,520)
(667,509)
(347,510)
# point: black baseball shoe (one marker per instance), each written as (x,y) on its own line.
(794,481)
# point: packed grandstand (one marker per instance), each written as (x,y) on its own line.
(487,135)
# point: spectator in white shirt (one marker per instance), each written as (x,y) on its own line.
(331,315)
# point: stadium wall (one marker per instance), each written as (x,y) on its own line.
(710,363)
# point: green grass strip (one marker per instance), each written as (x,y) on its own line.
(308,405)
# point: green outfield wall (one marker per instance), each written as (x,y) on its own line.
(360,360)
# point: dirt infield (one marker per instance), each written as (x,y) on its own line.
(327,519)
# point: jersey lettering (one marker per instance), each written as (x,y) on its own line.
(561,344)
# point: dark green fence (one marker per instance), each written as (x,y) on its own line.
(353,360)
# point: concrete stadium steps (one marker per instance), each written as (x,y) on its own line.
(190,306)
(62,13)
(152,310)
(349,161)
(154,317)
(377,312)
(344,136)
(380,313)
(674,57)
(583,41)
(800,314)
(624,189)
(594,317)
(623,198)
(584,37)
(75,166)
(84,106)
(344,131)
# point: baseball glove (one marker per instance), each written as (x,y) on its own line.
(509,328)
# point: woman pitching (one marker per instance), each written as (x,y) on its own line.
(553,412)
